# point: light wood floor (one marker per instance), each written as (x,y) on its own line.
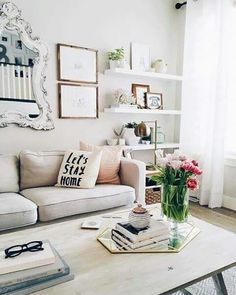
(221,217)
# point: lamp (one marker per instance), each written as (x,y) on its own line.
(142,129)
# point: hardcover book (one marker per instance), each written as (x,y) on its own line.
(23,279)
(44,285)
(155,229)
(145,244)
(26,260)
(123,246)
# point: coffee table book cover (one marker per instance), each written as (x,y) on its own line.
(26,260)
(44,285)
(23,279)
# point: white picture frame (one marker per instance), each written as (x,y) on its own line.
(78,101)
(77,64)
(140,57)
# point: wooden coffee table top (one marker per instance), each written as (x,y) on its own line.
(99,272)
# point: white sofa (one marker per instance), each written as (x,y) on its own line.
(28,192)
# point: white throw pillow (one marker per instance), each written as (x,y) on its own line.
(79,169)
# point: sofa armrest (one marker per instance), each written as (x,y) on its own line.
(132,173)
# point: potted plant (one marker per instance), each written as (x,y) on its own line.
(116,58)
(119,134)
(129,135)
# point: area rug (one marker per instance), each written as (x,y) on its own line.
(207,287)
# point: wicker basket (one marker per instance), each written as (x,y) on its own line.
(152,196)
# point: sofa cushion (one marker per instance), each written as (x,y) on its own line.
(56,202)
(16,211)
(39,169)
(79,169)
(9,174)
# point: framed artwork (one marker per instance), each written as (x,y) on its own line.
(77,64)
(78,101)
(140,57)
(139,91)
(154,100)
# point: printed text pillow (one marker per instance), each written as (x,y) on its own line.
(79,169)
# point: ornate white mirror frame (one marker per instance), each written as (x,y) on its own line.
(11,20)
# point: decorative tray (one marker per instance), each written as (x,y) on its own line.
(187,232)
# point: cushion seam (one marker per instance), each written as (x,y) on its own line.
(131,191)
(19,211)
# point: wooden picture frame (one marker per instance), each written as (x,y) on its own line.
(154,101)
(77,64)
(73,99)
(139,91)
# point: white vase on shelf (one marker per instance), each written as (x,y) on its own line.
(160,66)
(130,137)
(119,64)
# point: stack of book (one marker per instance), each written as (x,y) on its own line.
(32,271)
(126,237)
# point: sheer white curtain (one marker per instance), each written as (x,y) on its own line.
(210,30)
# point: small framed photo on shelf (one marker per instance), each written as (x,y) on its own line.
(78,101)
(139,91)
(77,64)
(154,101)
(140,57)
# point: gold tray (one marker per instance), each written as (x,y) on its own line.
(187,233)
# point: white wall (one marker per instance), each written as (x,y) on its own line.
(103,25)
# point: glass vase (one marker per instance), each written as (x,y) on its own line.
(175,207)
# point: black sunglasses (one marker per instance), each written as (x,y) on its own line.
(16,250)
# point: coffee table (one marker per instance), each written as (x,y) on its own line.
(99,272)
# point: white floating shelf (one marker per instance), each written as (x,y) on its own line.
(141,147)
(153,186)
(142,111)
(152,75)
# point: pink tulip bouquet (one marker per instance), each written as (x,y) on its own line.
(177,175)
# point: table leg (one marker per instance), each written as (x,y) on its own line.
(186,292)
(219,284)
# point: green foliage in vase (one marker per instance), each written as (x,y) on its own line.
(117,54)
(174,202)
(176,174)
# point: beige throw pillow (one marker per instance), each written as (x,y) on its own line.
(79,169)
(9,174)
(110,162)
